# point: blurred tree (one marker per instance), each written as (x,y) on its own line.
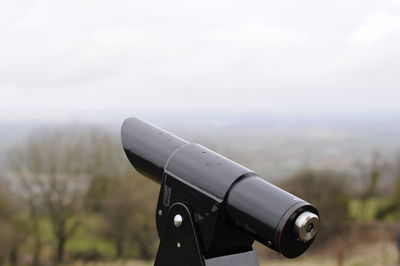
(107,161)
(123,197)
(12,228)
(128,209)
(6,236)
(393,205)
(326,190)
(60,172)
(371,174)
(31,197)
(51,169)
(395,202)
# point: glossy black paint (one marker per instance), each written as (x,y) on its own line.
(206,170)
(180,245)
(231,204)
(262,208)
(148,147)
(218,235)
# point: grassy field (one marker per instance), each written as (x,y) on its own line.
(86,240)
(378,254)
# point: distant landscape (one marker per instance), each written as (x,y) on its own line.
(276,146)
(69,196)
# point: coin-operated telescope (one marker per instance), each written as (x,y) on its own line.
(211,209)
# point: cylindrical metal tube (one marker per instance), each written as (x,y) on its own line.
(148,147)
(271,215)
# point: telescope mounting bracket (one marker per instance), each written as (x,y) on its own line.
(179,245)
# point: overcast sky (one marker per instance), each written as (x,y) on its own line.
(67,59)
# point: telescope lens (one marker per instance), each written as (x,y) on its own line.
(309,228)
(306,226)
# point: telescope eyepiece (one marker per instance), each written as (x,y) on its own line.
(306,226)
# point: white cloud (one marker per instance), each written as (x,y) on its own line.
(60,59)
(378,27)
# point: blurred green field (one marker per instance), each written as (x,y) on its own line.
(87,240)
(378,254)
(113,217)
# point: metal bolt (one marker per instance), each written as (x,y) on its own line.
(160,212)
(178,244)
(178,220)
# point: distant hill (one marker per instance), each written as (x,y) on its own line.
(274,145)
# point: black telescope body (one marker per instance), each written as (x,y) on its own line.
(231,205)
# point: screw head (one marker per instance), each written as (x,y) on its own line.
(178,220)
